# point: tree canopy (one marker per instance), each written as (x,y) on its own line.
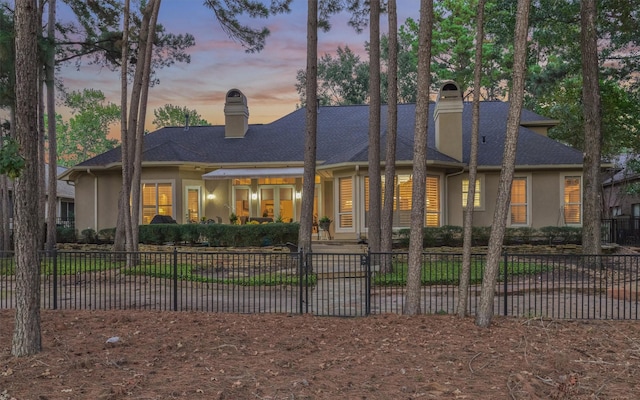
(86,133)
(171,115)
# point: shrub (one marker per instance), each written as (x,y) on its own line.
(65,234)
(89,235)
(107,235)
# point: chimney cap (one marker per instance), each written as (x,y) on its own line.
(235,96)
(449,90)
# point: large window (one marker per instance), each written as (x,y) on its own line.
(572,200)
(157,199)
(518,208)
(402,204)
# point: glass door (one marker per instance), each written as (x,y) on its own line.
(285,204)
(267,202)
(193,204)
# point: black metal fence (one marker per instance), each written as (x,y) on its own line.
(622,230)
(529,285)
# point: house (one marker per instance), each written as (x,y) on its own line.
(621,201)
(65,199)
(255,170)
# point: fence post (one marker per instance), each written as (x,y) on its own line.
(301,276)
(366,260)
(506,274)
(175,279)
(55,279)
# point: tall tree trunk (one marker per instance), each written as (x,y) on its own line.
(412,301)
(5,214)
(42,199)
(124,212)
(485,309)
(591,235)
(27,338)
(5,202)
(386,229)
(52,190)
(467,242)
(5,208)
(132,123)
(142,109)
(311,117)
(375,183)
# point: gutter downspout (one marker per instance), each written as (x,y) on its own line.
(95,198)
(446,191)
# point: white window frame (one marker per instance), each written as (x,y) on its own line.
(562,203)
(185,204)
(156,182)
(336,206)
(480,178)
(527,178)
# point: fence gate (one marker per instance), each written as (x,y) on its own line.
(342,286)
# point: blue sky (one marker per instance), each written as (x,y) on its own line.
(219,64)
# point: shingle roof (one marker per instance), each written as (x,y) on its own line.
(343,138)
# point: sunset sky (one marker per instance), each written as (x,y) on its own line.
(219,64)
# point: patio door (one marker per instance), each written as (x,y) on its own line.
(193,204)
(277,202)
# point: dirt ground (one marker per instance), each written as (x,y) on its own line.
(167,355)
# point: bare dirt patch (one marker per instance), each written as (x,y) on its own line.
(166,355)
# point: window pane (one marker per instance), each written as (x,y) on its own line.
(519,201)
(276,181)
(572,200)
(157,199)
(193,204)
(285,210)
(465,193)
(165,199)
(242,182)
(148,202)
(433,201)
(345,202)
(403,200)
(242,202)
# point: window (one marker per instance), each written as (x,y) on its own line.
(432,217)
(518,207)
(157,199)
(403,201)
(345,202)
(241,201)
(193,204)
(67,210)
(276,181)
(635,210)
(477,197)
(572,200)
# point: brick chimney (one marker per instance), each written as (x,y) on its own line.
(447,116)
(236,114)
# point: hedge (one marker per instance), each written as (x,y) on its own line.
(452,236)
